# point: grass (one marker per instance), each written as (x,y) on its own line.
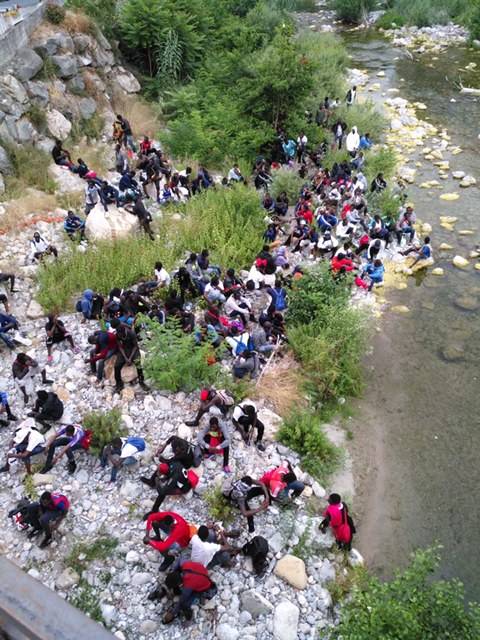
(285,396)
(30,169)
(227,221)
(85,598)
(352,11)
(29,488)
(83,553)
(31,202)
(144,117)
(90,128)
(345,581)
(37,116)
(218,506)
(302,431)
(289,181)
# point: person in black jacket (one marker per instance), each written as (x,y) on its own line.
(48,408)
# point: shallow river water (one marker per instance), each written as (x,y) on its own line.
(417,429)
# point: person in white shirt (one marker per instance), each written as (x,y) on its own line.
(122,452)
(302,141)
(238,306)
(207,551)
(353,142)
(27,442)
(39,248)
(162,276)
(234,175)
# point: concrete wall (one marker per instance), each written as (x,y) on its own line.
(16,35)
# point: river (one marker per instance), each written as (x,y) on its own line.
(416,431)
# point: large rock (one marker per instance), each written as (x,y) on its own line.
(14,88)
(25,132)
(38,91)
(460,262)
(34,310)
(66,65)
(87,107)
(285,621)
(468,181)
(58,125)
(292,570)
(67,182)
(76,84)
(27,64)
(5,164)
(255,603)
(68,578)
(41,479)
(127,81)
(115,223)
(226,632)
(81,42)
(453,353)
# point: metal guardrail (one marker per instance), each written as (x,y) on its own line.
(31,611)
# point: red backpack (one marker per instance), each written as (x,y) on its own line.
(192,478)
(86,440)
(58,499)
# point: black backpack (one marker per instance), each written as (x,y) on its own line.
(257,549)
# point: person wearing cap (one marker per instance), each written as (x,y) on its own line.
(172,480)
(26,442)
(336,517)
(210,398)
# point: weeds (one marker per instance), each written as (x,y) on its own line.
(30,167)
(54,13)
(85,598)
(83,553)
(289,181)
(218,506)
(345,581)
(29,487)
(105,427)
(90,128)
(37,116)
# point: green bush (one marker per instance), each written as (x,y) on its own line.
(90,128)
(37,117)
(54,13)
(30,167)
(352,11)
(365,117)
(289,181)
(173,361)
(409,607)
(390,20)
(302,431)
(83,553)
(380,160)
(472,19)
(104,13)
(105,426)
(218,506)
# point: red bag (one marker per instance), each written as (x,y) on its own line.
(192,478)
(86,441)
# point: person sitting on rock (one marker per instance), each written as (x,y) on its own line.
(90,305)
(214,438)
(26,442)
(68,439)
(128,187)
(282,480)
(375,271)
(191,582)
(122,452)
(46,515)
(109,195)
(24,369)
(184,452)
(5,410)
(210,398)
(7,323)
(61,156)
(56,333)
(74,224)
(210,547)
(128,353)
(423,253)
(177,531)
(105,347)
(245,420)
(171,479)
(48,408)
(336,517)
(39,248)
(241,492)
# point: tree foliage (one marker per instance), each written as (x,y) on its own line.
(409,607)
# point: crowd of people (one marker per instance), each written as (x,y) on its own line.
(331,221)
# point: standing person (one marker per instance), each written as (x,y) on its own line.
(177,531)
(56,333)
(191,582)
(39,248)
(144,216)
(245,419)
(214,438)
(337,518)
(121,160)
(5,409)
(105,346)
(353,142)
(26,442)
(122,452)
(9,277)
(68,439)
(47,514)
(74,224)
(128,353)
(24,369)
(338,133)
(127,135)
(351,96)
(302,141)
(48,408)
(244,490)
(92,196)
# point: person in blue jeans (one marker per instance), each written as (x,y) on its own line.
(121,452)
(7,323)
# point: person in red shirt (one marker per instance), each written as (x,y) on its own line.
(341,264)
(192,582)
(178,535)
(336,516)
(145,145)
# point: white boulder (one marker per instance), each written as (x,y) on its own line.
(285,621)
(58,125)
(111,224)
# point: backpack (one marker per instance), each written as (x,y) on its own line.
(59,498)
(86,440)
(227,399)
(257,549)
(280,299)
(192,478)
(241,347)
(78,306)
(137,442)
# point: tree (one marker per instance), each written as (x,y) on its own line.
(412,606)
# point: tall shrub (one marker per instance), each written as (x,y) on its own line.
(353,11)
